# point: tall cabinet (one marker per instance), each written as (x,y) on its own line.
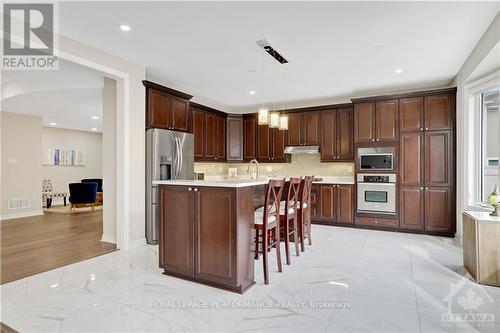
(427,163)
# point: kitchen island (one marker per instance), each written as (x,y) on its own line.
(206,230)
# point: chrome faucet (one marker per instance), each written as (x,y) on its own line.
(254,161)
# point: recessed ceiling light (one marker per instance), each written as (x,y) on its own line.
(53,124)
(94,129)
(398,71)
(95,117)
(124,27)
(252,92)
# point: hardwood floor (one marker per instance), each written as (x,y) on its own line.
(40,243)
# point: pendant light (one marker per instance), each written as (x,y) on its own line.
(274,117)
(283,119)
(263,113)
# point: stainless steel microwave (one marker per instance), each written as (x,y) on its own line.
(375,159)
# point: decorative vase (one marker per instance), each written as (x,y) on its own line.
(494,200)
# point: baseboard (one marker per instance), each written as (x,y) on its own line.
(108,239)
(137,243)
(20,215)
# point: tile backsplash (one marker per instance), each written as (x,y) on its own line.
(301,165)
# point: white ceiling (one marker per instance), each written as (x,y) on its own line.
(69,96)
(336,50)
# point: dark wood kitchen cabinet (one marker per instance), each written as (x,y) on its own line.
(206,235)
(376,121)
(271,143)
(234,142)
(332,203)
(411,114)
(249,136)
(166,108)
(303,128)
(438,111)
(337,135)
(411,201)
(209,130)
(438,209)
(411,159)
(438,162)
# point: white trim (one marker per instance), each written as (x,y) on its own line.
(137,243)
(108,239)
(21,214)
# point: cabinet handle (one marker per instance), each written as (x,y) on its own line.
(375,222)
(426,188)
(196,190)
(421,188)
(378,139)
(373,140)
(427,128)
(190,189)
(421,129)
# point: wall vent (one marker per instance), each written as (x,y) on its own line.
(19,203)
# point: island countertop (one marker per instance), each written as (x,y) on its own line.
(244,182)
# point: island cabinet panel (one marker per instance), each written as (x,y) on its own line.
(303,128)
(364,122)
(206,235)
(337,135)
(411,201)
(198,133)
(166,108)
(234,149)
(411,114)
(438,112)
(215,232)
(386,123)
(249,137)
(177,230)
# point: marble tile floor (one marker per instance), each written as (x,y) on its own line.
(350,280)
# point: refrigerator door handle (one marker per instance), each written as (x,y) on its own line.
(181,153)
(178,154)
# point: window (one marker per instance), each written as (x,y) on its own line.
(490,141)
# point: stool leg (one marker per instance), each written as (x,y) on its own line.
(276,233)
(256,244)
(264,255)
(287,242)
(295,236)
(302,230)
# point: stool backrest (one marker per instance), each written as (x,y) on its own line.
(273,199)
(305,190)
(293,195)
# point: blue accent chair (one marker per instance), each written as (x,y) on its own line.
(82,195)
(94,180)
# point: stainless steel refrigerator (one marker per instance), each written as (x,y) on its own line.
(169,155)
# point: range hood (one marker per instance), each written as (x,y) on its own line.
(302,150)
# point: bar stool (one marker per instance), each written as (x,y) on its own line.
(288,217)
(304,211)
(267,225)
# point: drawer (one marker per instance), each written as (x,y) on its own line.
(376,222)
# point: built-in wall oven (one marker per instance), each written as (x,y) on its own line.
(377,193)
(376,158)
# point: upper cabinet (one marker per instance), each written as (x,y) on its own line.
(234,142)
(438,112)
(209,130)
(303,128)
(376,121)
(249,136)
(336,135)
(411,114)
(166,108)
(271,143)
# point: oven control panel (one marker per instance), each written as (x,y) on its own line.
(376,178)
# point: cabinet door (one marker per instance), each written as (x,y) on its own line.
(364,122)
(220,138)
(327,203)
(199,133)
(411,201)
(158,109)
(210,131)
(345,149)
(294,129)
(387,120)
(311,128)
(249,137)
(345,203)
(411,114)
(438,209)
(437,112)
(215,234)
(263,143)
(177,229)
(278,145)
(328,135)
(438,163)
(234,144)
(315,202)
(411,158)
(180,114)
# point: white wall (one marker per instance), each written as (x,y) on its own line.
(130,138)
(466,134)
(21,175)
(109,160)
(89,142)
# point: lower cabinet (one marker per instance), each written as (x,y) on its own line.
(411,203)
(332,203)
(206,235)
